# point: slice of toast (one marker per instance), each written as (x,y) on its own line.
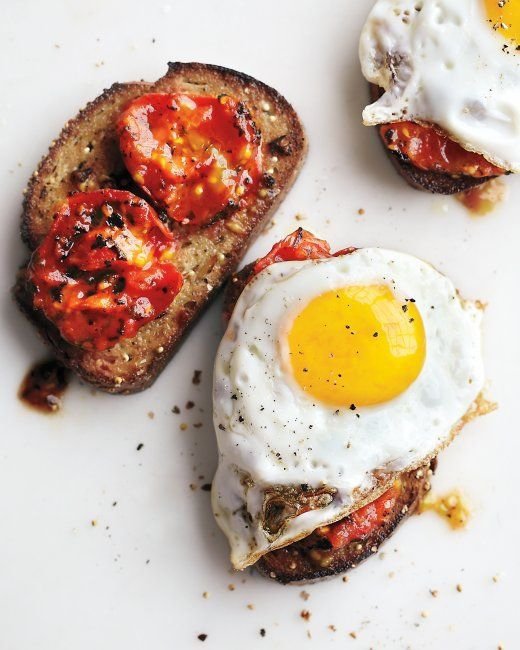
(86,157)
(427,181)
(310,559)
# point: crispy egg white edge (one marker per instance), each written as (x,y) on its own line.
(451,71)
(248,448)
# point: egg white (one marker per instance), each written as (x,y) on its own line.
(271,433)
(440,62)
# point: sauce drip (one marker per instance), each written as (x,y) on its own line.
(451,507)
(483,199)
(43,386)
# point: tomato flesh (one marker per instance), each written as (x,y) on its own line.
(195,156)
(362,522)
(429,149)
(104,268)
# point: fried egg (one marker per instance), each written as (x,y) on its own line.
(332,377)
(452,64)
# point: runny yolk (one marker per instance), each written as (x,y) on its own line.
(504,16)
(357,346)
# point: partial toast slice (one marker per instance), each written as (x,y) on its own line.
(86,157)
(427,181)
(312,558)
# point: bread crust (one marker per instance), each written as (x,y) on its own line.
(86,156)
(426,181)
(307,560)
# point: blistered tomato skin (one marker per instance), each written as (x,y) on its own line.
(362,522)
(428,149)
(105,268)
(299,246)
(198,157)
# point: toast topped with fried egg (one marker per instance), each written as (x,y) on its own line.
(336,385)
(445,89)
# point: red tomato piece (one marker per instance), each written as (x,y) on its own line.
(362,522)
(104,269)
(196,156)
(298,246)
(429,149)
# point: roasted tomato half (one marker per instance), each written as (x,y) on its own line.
(104,269)
(429,149)
(198,157)
(298,246)
(362,522)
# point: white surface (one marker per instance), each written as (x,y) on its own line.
(65,584)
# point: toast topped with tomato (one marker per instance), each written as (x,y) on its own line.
(143,207)
(429,160)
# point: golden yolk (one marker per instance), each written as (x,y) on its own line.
(357,346)
(504,16)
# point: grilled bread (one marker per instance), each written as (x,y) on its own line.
(86,157)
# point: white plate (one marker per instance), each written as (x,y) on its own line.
(136,579)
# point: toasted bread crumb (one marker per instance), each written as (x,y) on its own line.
(459,588)
(250,606)
(305,614)
(205,594)
(434,593)
(353,635)
(235,227)
(231,587)
(304,595)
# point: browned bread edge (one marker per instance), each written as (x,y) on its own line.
(427,181)
(293,563)
(207,256)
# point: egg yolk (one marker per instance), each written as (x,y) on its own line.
(357,346)
(504,16)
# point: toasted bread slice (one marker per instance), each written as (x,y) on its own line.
(312,558)
(86,157)
(427,181)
